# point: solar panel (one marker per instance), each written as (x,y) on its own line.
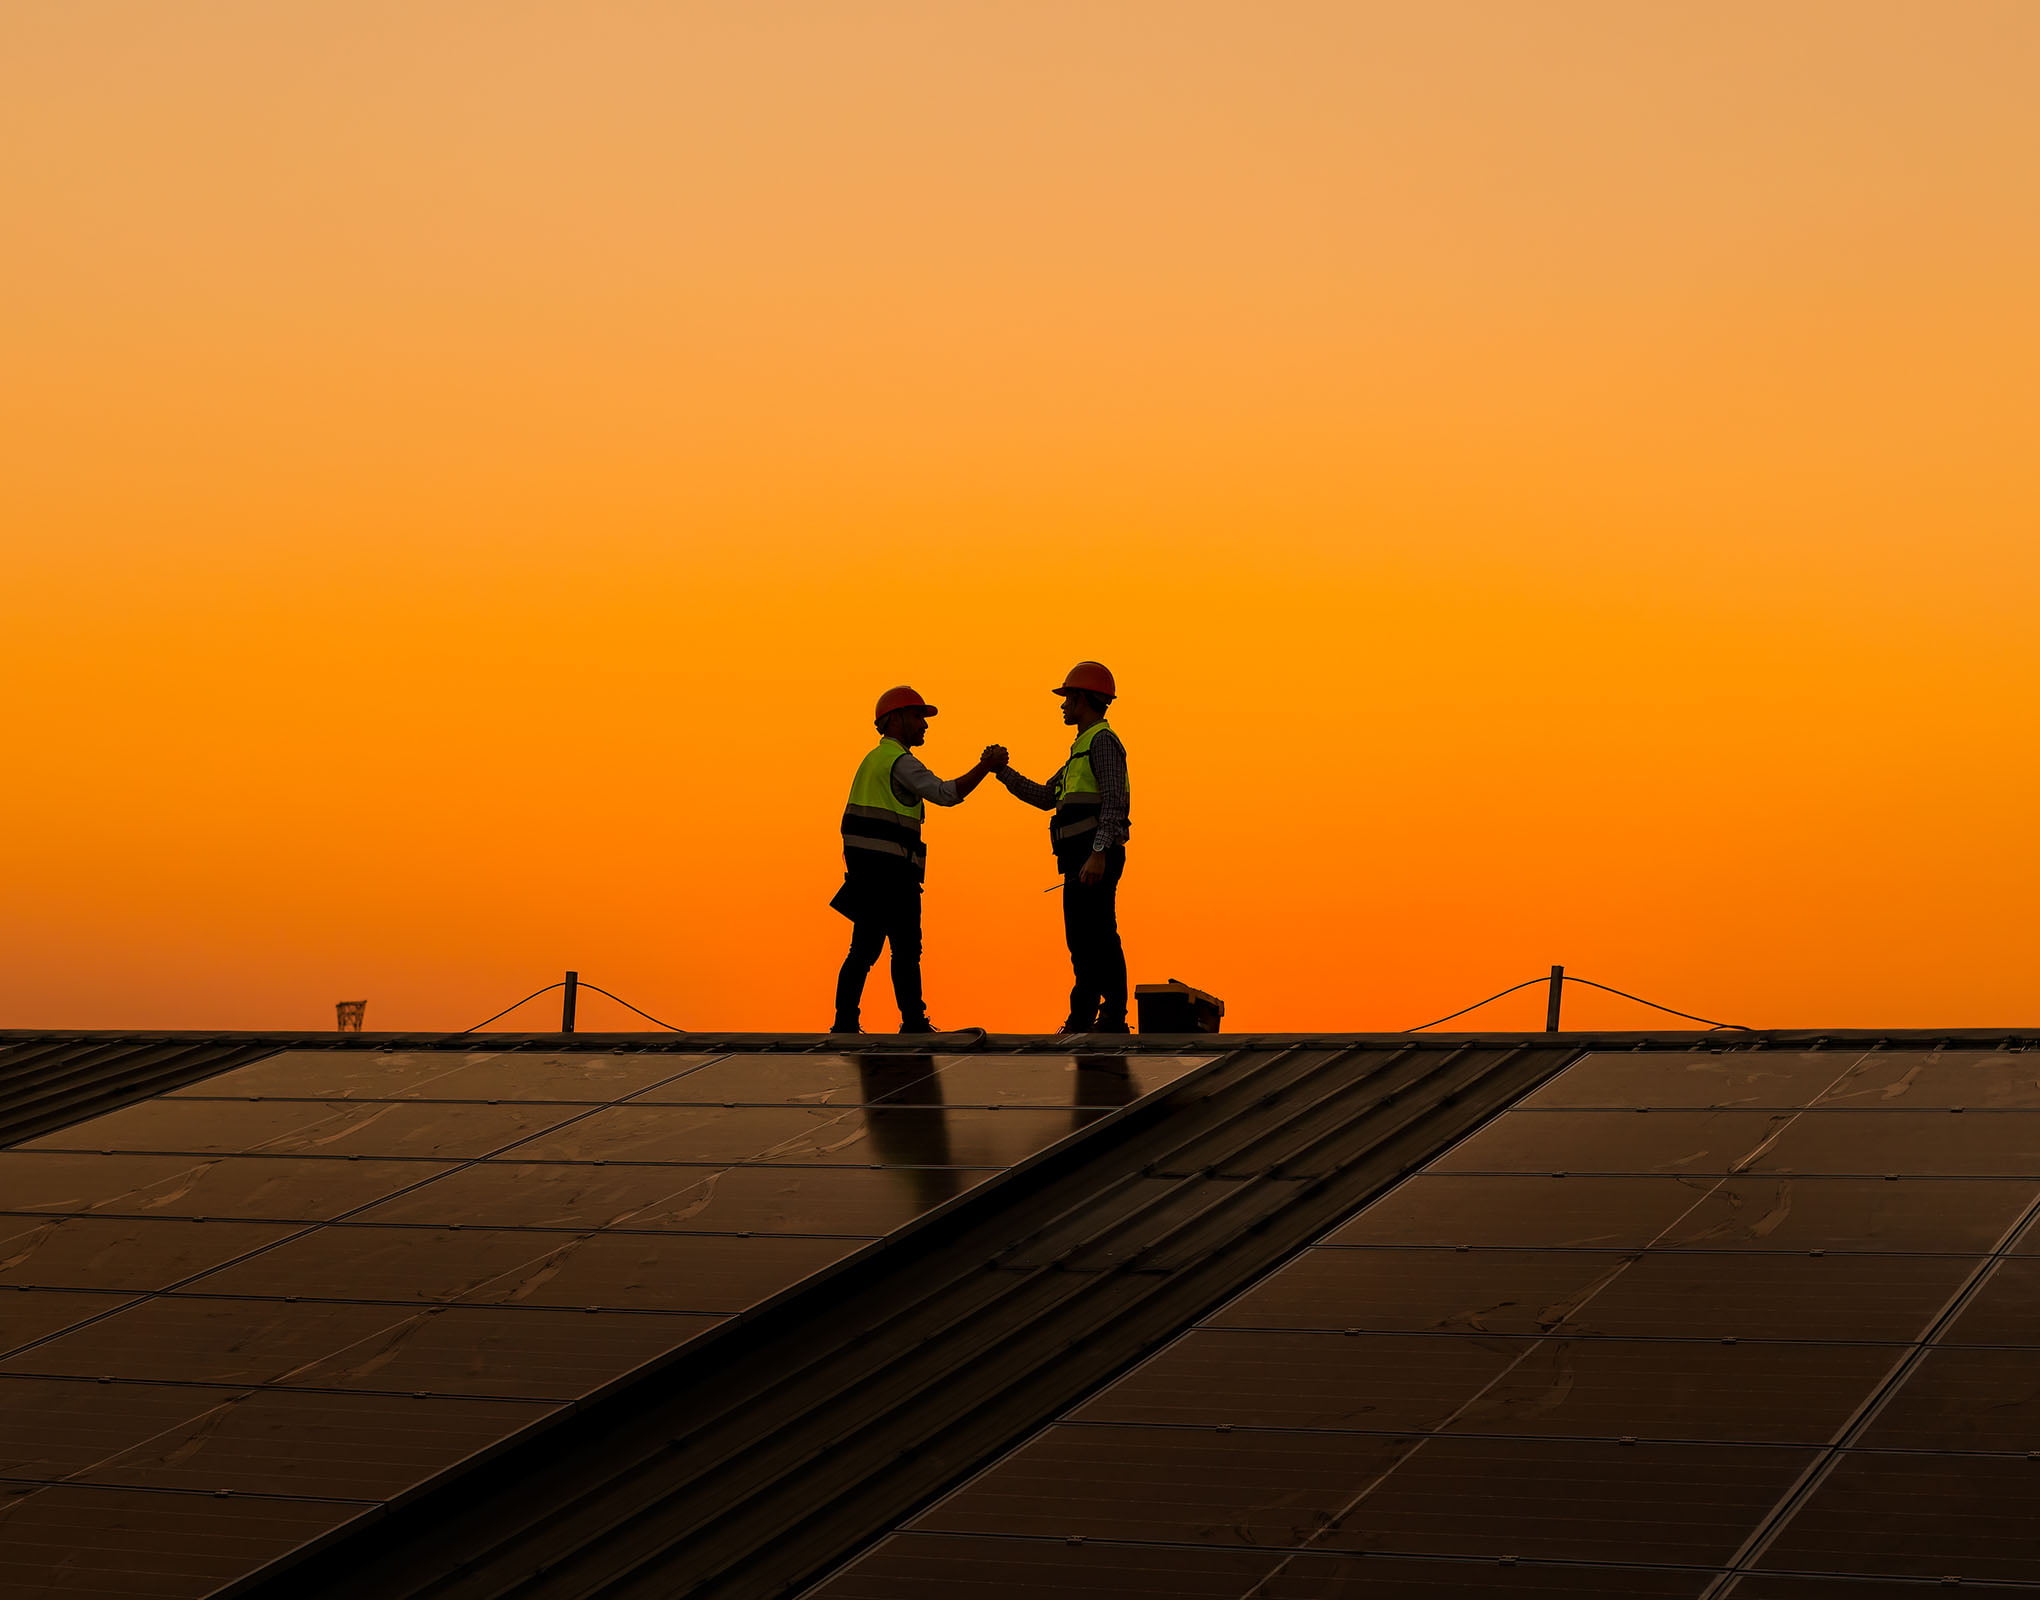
(1592,1500)
(445,1075)
(1922,1143)
(1917,1079)
(1732,1321)
(365,1447)
(307,1127)
(854,1201)
(122,1252)
(1920,1515)
(1767,1079)
(170,1546)
(925,1566)
(28,1315)
(2005,1308)
(897,1134)
(1963,1400)
(1618,1141)
(304,1189)
(1684,1389)
(344,1272)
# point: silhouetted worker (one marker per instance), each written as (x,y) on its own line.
(884,860)
(1090,800)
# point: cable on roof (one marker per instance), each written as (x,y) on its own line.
(1462,1011)
(1731,1027)
(629,1007)
(1724,1027)
(548,989)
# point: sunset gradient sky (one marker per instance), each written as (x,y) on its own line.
(1556,480)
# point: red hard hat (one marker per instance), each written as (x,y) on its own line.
(903,699)
(1089,675)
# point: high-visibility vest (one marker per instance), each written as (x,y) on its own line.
(1077,802)
(878,820)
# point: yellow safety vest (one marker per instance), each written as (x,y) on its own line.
(876,819)
(1077,802)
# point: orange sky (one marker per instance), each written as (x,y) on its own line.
(1555,482)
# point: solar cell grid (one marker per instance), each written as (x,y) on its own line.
(1917,1515)
(1699,1346)
(854,1201)
(1582,1500)
(342,1293)
(1956,1399)
(1923,1143)
(307,1127)
(27,1315)
(642,1272)
(1774,1212)
(339,1446)
(460,1350)
(990,1079)
(927,1566)
(98,1544)
(896,1134)
(1617,1141)
(122,1252)
(1687,1389)
(1692,1294)
(2005,1308)
(445,1075)
(1722,1080)
(1916,1079)
(282,1187)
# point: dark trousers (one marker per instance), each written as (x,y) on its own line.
(1091,925)
(880,920)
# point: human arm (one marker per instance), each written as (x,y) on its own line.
(1108,767)
(913,781)
(1026,790)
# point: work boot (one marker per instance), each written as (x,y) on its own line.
(1110,1025)
(1076,1025)
(917,1025)
(845,1025)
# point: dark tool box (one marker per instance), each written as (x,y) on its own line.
(1175,1007)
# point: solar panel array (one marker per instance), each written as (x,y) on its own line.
(237,1317)
(1732,1322)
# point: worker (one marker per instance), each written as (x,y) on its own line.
(1090,800)
(884,861)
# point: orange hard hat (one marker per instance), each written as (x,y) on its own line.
(1089,675)
(902,699)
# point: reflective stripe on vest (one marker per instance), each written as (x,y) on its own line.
(876,818)
(1077,800)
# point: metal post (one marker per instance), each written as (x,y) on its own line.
(1551,1002)
(568,995)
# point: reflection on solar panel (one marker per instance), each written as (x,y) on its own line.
(238,1316)
(1710,1323)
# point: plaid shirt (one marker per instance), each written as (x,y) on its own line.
(1108,766)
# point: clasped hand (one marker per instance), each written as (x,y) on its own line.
(995,757)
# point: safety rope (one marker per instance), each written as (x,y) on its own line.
(1730,1027)
(548,989)
(629,1007)
(581,983)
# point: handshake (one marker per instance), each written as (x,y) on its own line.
(995,758)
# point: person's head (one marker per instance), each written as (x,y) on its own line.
(1082,707)
(903,715)
(909,728)
(1086,690)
